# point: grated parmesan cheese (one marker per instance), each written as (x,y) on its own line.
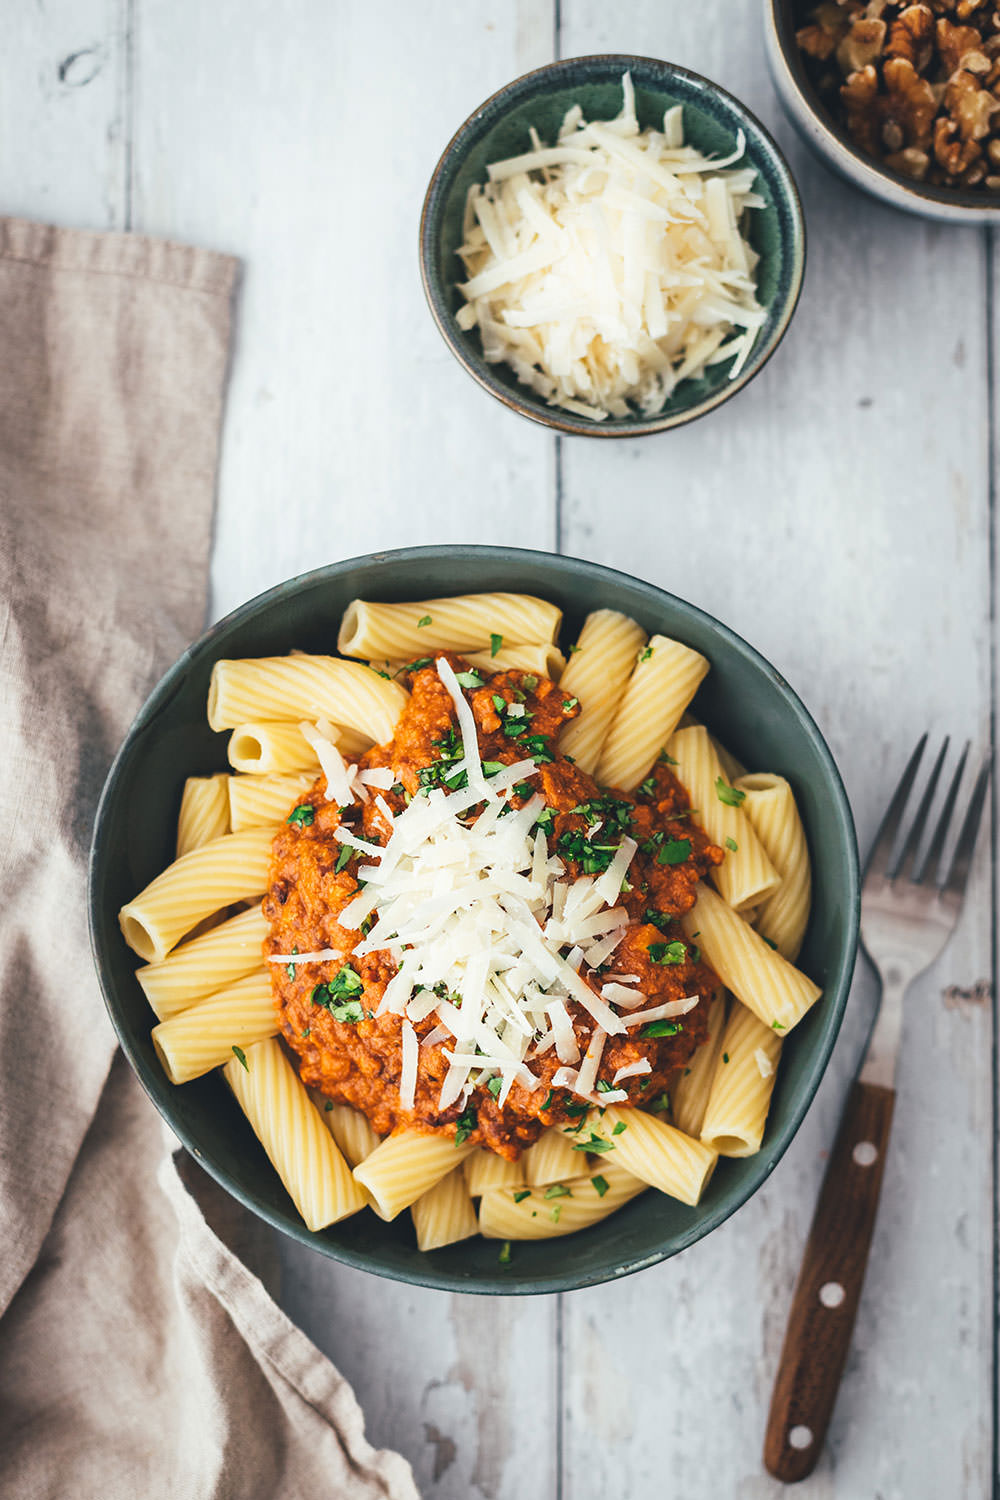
(611,266)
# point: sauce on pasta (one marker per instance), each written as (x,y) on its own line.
(354,1055)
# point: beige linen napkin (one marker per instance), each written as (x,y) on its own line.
(139,1356)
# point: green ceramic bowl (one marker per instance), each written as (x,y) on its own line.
(743,700)
(499,128)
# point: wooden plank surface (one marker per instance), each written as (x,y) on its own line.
(837,514)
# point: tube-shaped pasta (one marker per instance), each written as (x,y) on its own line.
(689,1095)
(206,1035)
(485,1169)
(463,623)
(776,991)
(301,687)
(545,660)
(197,885)
(262,801)
(656,1152)
(204,814)
(746,874)
(406,1165)
(662,684)
(300,1148)
(597,672)
(741,1089)
(732,769)
(349,1127)
(444,1214)
(550,1159)
(540,1213)
(770,806)
(268,747)
(205,964)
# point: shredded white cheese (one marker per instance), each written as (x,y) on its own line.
(485,929)
(610,266)
(765,1066)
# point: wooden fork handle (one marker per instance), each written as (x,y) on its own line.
(829,1286)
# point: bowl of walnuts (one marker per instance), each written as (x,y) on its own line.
(902,100)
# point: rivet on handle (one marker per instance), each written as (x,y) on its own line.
(800,1438)
(865,1153)
(831,1294)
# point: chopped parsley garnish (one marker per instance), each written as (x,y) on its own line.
(492,767)
(569,703)
(307,1031)
(663,1102)
(594,1144)
(661,1028)
(778,1026)
(241,1056)
(554,1212)
(496,641)
(530,681)
(645,654)
(730,795)
(521,1194)
(339,996)
(537,746)
(575,1111)
(725,1057)
(466,1124)
(417,665)
(620,1128)
(731,844)
(499,702)
(380,673)
(769,943)
(667,759)
(668,953)
(648,787)
(558,1190)
(504,1256)
(599,1184)
(548,1102)
(425,621)
(591,857)
(657,918)
(495,1085)
(328,1105)
(302,816)
(674,852)
(290,968)
(545,819)
(604,1087)
(342,859)
(470,679)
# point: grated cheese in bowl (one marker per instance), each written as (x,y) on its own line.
(610,266)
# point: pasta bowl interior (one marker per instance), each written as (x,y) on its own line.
(632,263)
(662,1024)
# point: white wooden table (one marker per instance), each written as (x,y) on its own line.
(837,513)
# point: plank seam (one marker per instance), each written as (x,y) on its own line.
(992,456)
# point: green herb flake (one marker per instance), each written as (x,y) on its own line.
(328,1105)
(425,621)
(668,953)
(241,1056)
(495,1085)
(731,844)
(499,703)
(469,680)
(595,1144)
(604,1087)
(504,1256)
(496,641)
(548,1102)
(574,649)
(725,1057)
(342,859)
(648,787)
(530,681)
(290,968)
(558,1190)
(555,1212)
(730,795)
(492,767)
(674,852)
(466,1124)
(307,1032)
(662,1103)
(778,1026)
(570,703)
(302,816)
(600,1185)
(620,1128)
(418,664)
(661,1028)
(645,654)
(771,945)
(521,1194)
(667,759)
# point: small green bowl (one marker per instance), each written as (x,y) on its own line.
(499,128)
(743,700)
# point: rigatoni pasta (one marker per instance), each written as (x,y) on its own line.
(207,1034)
(302,687)
(467,622)
(745,1070)
(204,814)
(664,679)
(263,801)
(445,1213)
(562,1208)
(205,964)
(689,1095)
(770,806)
(597,673)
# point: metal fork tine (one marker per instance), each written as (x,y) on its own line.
(878,860)
(935,848)
(960,865)
(908,854)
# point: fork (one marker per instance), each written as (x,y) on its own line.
(909,909)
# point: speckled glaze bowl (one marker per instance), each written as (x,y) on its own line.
(743,700)
(830,141)
(712,117)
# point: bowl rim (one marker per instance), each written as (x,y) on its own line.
(160,1092)
(966,205)
(553,417)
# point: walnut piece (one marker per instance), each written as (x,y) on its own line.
(918,86)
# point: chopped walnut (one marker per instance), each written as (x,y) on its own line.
(917,85)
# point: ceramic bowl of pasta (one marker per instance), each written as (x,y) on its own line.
(493,941)
(612,245)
